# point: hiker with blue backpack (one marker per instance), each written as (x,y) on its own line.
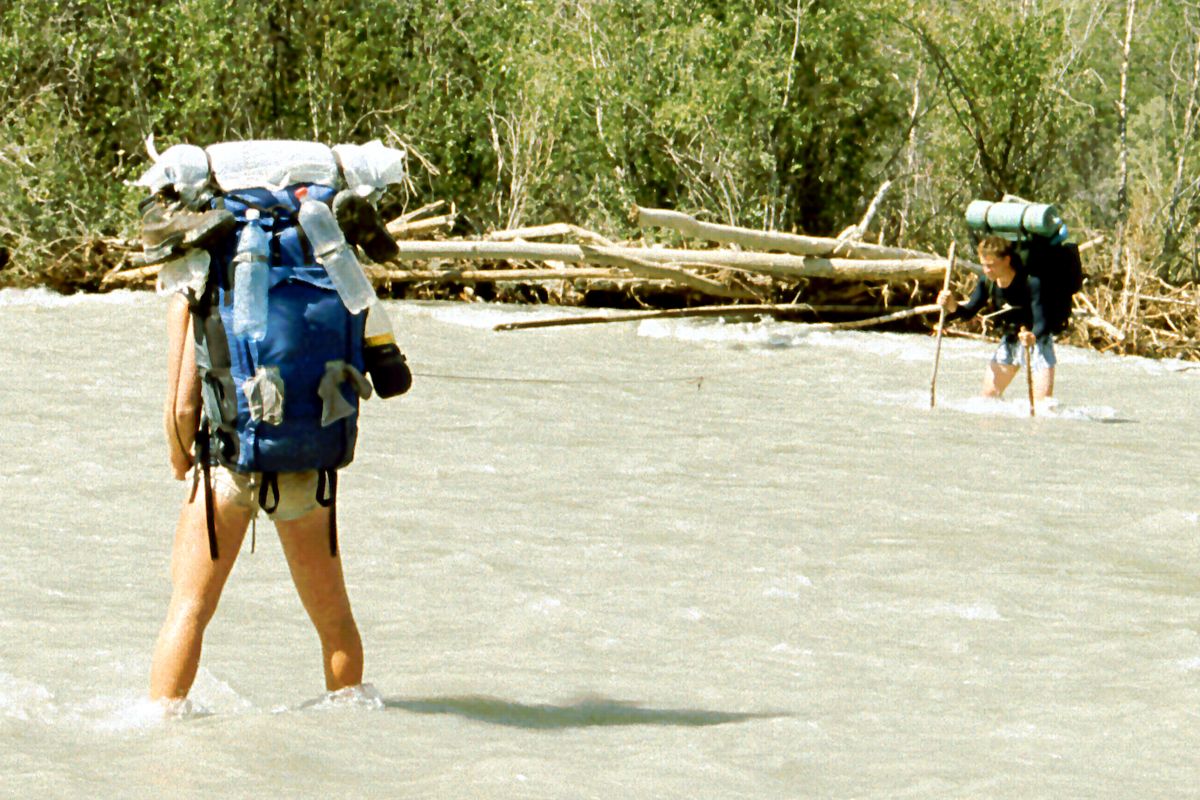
(1029,276)
(272,331)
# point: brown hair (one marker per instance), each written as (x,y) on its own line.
(996,246)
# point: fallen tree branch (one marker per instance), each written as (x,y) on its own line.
(409,216)
(767,240)
(629,258)
(545,231)
(859,230)
(634,316)
(773,310)
(635,263)
(636,258)
(123,276)
(907,313)
(495,275)
(403,230)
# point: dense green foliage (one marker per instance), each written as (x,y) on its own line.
(785,114)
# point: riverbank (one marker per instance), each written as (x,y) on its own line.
(1131,314)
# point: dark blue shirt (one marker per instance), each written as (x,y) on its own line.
(1019,305)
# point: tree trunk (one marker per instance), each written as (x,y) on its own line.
(767,240)
(668,263)
(1123,144)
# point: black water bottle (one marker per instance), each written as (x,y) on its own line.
(385,363)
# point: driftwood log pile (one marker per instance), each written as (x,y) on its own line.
(732,272)
(747,273)
(712,270)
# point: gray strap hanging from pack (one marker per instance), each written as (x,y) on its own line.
(333,405)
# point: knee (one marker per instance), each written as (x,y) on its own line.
(191,613)
(339,630)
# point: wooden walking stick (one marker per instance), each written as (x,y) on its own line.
(1029,375)
(937,356)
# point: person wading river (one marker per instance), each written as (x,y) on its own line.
(271,325)
(1020,315)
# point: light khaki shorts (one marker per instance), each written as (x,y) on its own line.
(297,491)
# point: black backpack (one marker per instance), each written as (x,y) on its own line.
(1061,273)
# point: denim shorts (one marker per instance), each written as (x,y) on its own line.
(1012,353)
(297,491)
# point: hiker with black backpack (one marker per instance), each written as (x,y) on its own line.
(1019,303)
(272,330)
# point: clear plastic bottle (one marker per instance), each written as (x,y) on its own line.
(385,363)
(250,278)
(332,252)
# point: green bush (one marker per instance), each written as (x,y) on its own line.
(778,114)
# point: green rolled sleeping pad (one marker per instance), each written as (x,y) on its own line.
(1013,218)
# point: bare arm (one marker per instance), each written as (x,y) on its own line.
(964,309)
(181,412)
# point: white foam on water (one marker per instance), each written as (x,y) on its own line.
(212,692)
(364,696)
(545,605)
(1083,413)
(750,333)
(131,711)
(990,406)
(891,346)
(1018,730)
(134,714)
(790,588)
(789,649)
(971,611)
(1153,366)
(787,335)
(1010,406)
(45,298)
(485,316)
(26,701)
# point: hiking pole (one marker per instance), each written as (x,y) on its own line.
(1029,374)
(937,356)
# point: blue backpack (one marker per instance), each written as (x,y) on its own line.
(288,402)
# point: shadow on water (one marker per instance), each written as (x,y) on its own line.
(583,714)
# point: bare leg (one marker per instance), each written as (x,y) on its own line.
(1043,383)
(196,582)
(322,589)
(997,379)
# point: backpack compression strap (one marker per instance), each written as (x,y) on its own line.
(327,498)
(268,499)
(210,520)
(268,487)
